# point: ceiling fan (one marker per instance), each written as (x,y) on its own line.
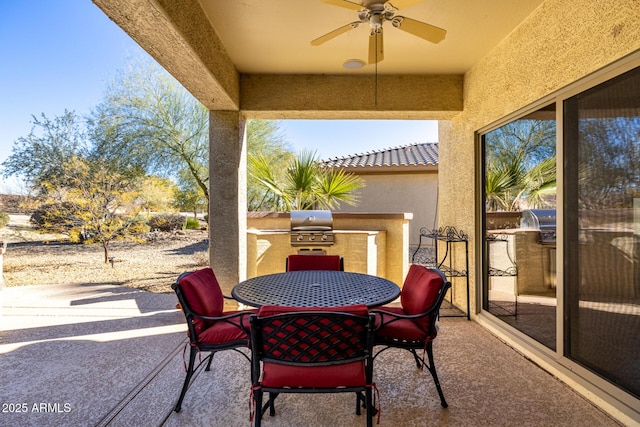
(375,13)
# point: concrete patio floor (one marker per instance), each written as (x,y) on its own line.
(105,355)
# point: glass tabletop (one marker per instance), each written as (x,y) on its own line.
(317,288)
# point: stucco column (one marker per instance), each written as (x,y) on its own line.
(457,198)
(228,197)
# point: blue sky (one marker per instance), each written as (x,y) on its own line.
(57,55)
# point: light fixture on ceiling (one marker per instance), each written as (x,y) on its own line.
(353,64)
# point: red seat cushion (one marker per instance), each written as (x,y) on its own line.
(420,291)
(350,374)
(203,295)
(225,331)
(313,262)
(401,329)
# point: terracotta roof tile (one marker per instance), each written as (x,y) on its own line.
(408,155)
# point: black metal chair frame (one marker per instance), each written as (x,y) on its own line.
(196,346)
(412,346)
(356,345)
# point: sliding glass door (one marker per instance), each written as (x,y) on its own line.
(599,320)
(602,230)
(520,224)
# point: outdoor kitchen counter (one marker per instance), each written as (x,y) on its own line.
(535,262)
(363,251)
(370,243)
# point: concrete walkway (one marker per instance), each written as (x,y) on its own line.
(105,355)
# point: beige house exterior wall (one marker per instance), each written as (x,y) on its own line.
(415,193)
(561,42)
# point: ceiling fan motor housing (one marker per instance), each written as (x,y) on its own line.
(375,12)
(375,18)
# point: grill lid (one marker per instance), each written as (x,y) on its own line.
(543,220)
(311,220)
(538,219)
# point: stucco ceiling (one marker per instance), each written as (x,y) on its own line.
(256,55)
(273,37)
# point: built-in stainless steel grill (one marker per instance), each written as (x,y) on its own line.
(311,228)
(543,220)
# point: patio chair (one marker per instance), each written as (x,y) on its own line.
(413,326)
(312,350)
(314,262)
(210,329)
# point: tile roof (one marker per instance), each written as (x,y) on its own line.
(409,155)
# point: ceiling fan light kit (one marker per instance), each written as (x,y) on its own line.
(353,64)
(375,13)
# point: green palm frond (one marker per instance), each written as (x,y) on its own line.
(501,181)
(260,169)
(304,184)
(338,186)
(301,179)
(540,182)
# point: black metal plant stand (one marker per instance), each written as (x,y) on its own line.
(450,236)
(511,271)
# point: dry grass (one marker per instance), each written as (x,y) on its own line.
(33,259)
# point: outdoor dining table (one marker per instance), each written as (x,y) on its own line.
(316,288)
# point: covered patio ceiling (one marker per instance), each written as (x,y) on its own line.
(256,56)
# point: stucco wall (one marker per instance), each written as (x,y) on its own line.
(561,42)
(415,193)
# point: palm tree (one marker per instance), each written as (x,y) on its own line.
(511,185)
(305,183)
(520,171)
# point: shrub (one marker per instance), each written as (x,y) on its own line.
(166,222)
(55,217)
(4,219)
(192,224)
(138,225)
(14,203)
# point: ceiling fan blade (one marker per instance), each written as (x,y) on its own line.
(334,33)
(420,29)
(401,4)
(345,3)
(376,48)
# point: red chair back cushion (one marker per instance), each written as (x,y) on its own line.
(203,295)
(420,291)
(314,337)
(292,342)
(313,262)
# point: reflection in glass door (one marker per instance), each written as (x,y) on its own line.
(602,230)
(519,180)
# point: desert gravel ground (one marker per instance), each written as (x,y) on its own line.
(35,259)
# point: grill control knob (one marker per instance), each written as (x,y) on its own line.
(299,238)
(312,237)
(324,237)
